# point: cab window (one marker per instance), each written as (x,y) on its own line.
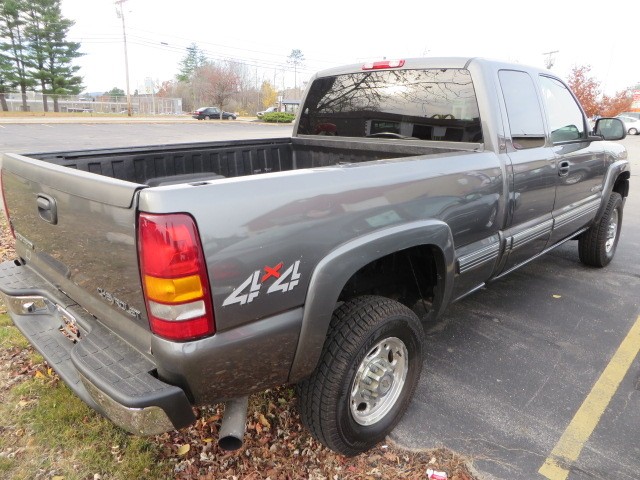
(523,109)
(566,121)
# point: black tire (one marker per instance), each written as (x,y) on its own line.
(329,397)
(597,246)
(633,131)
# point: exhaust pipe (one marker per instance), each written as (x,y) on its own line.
(234,422)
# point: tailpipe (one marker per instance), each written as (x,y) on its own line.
(231,435)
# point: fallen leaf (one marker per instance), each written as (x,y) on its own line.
(207,440)
(57,477)
(557,296)
(264,421)
(182,450)
(391,456)
(39,374)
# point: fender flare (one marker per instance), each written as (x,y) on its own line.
(336,268)
(613,173)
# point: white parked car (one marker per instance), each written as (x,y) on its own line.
(631,125)
(268,110)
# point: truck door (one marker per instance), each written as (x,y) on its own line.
(580,162)
(533,170)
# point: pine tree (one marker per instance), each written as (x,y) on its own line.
(5,85)
(12,25)
(296,58)
(50,52)
(194,59)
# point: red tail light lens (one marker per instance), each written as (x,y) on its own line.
(174,277)
(383,64)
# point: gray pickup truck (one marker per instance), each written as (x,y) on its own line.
(157,278)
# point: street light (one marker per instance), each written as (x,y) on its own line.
(550,59)
(126,57)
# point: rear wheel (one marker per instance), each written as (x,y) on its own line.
(633,131)
(597,246)
(207,117)
(366,376)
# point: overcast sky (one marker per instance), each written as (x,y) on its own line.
(330,33)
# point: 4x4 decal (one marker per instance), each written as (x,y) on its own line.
(249,290)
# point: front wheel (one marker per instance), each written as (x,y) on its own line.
(632,131)
(597,246)
(367,373)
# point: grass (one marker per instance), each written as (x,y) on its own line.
(48,431)
(10,336)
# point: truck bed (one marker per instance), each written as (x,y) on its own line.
(183,163)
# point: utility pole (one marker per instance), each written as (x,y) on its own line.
(126,56)
(550,60)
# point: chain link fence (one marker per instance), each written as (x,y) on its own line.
(140,104)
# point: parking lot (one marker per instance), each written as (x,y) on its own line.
(524,373)
(53,134)
(524,377)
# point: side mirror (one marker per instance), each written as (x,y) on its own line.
(610,128)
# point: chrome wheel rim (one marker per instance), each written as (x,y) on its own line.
(379,381)
(612,232)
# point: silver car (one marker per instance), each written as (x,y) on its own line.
(268,110)
(631,125)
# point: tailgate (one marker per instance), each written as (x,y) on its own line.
(78,230)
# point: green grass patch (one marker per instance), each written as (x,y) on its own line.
(11,337)
(51,429)
(66,436)
(5,320)
(5,465)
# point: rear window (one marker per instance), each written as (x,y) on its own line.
(433,104)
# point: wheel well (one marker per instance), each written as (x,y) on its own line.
(413,277)
(622,184)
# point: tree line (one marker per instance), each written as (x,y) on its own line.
(227,84)
(35,53)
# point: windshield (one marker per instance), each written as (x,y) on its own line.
(434,104)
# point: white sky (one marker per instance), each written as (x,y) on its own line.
(330,33)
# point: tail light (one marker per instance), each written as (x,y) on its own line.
(4,203)
(174,277)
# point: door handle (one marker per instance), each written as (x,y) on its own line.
(563,168)
(47,208)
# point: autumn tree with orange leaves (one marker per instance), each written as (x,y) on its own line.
(587,89)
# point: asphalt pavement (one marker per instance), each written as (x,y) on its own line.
(525,370)
(47,134)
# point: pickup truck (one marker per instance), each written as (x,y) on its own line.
(157,278)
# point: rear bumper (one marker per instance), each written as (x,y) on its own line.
(103,370)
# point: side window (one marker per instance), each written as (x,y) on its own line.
(565,117)
(523,109)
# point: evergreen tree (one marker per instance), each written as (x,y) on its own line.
(194,59)
(296,58)
(5,85)
(12,25)
(50,52)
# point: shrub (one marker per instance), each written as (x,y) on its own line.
(278,117)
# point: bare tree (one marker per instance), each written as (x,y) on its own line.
(216,83)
